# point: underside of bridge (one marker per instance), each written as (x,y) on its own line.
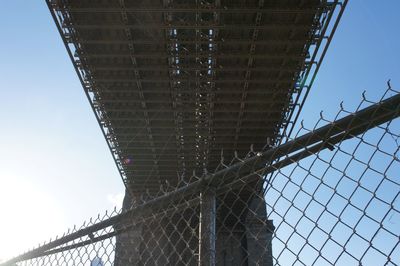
(176,85)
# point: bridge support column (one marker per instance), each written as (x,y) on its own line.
(248,240)
(207,235)
(259,231)
(127,246)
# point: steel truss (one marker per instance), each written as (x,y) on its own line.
(127,56)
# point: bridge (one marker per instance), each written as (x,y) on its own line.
(176,84)
(179,86)
(197,101)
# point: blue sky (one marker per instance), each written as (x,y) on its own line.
(362,57)
(55,167)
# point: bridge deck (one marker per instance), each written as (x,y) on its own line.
(173,83)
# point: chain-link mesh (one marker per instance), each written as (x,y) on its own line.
(328,196)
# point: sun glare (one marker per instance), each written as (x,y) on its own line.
(28,217)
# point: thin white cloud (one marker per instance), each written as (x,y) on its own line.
(116,199)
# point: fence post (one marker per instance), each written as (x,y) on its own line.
(207,228)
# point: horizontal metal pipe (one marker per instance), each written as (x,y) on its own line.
(121,229)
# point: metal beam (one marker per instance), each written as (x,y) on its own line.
(188,41)
(205,55)
(181,26)
(219,90)
(182,67)
(166,127)
(189,9)
(262,120)
(110,103)
(165,110)
(205,79)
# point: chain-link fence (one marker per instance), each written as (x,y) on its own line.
(328,196)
